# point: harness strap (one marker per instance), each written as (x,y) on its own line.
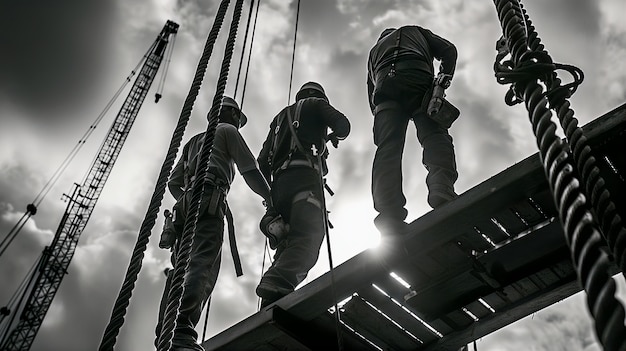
(392,71)
(233,242)
(307,196)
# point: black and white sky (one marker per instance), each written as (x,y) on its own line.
(60,62)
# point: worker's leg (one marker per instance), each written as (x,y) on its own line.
(390,125)
(300,251)
(200,278)
(439,160)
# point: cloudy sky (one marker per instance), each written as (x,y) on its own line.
(61,62)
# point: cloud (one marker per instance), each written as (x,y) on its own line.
(57,51)
(65,61)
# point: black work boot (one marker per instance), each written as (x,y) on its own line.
(390,226)
(269,293)
(439,195)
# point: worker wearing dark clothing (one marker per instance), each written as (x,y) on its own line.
(295,176)
(229,148)
(400,76)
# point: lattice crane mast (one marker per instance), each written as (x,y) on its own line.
(56,258)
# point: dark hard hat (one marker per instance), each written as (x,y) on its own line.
(318,91)
(230,102)
(386,32)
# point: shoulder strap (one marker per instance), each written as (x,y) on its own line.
(233,241)
(272,155)
(392,71)
(293,124)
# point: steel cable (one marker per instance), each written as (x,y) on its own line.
(119,310)
(587,246)
(198,190)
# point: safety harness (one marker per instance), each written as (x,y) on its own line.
(218,191)
(295,144)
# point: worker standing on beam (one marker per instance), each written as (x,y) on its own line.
(293,160)
(399,81)
(229,148)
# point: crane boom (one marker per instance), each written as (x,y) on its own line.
(56,257)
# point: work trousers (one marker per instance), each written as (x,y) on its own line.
(399,100)
(299,251)
(200,278)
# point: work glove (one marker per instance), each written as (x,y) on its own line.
(333,139)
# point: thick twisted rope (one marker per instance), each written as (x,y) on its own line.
(198,190)
(587,246)
(595,185)
(123,299)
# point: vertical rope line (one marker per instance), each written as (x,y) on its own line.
(243,49)
(123,299)
(198,189)
(245,81)
(293,55)
(330,256)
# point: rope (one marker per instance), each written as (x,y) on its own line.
(595,186)
(586,244)
(293,55)
(330,257)
(198,189)
(119,310)
(245,81)
(243,49)
(31,209)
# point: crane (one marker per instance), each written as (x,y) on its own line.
(56,257)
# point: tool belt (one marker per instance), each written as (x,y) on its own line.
(296,163)
(447,113)
(213,204)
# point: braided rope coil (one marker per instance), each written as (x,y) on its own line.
(587,246)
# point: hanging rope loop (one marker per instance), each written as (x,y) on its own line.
(564,163)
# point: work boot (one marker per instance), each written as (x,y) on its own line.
(269,293)
(439,195)
(390,226)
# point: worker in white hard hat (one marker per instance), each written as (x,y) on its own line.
(229,149)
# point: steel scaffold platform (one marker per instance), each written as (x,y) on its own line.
(491,257)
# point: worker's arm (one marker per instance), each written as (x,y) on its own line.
(257,183)
(370,92)
(442,50)
(334,119)
(247,164)
(264,154)
(176,184)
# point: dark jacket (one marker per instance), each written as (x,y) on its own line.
(418,45)
(317,115)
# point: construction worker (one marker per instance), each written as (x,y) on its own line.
(292,159)
(400,76)
(229,148)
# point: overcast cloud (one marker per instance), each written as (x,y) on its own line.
(61,62)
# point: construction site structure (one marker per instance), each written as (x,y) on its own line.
(495,255)
(56,257)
